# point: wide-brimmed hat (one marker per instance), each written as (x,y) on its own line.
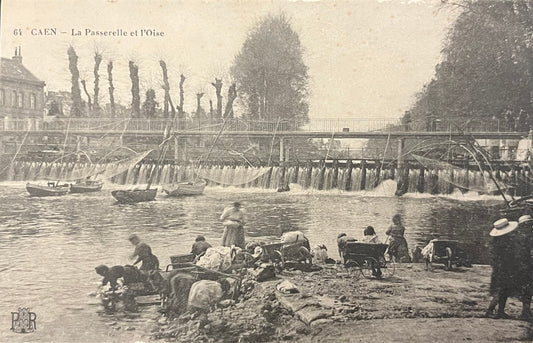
(503,227)
(524,219)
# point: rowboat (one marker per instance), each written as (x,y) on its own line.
(86,186)
(52,189)
(135,195)
(186,188)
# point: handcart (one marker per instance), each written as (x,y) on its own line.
(447,252)
(367,260)
(280,253)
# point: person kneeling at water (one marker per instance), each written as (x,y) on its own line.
(200,246)
(144,254)
(129,275)
(205,294)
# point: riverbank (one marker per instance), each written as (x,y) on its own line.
(414,305)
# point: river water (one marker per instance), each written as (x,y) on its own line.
(50,246)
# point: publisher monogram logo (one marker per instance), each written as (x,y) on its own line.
(23,321)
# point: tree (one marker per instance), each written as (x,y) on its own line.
(271,75)
(135,97)
(149,106)
(77,109)
(97,61)
(487,66)
(111,87)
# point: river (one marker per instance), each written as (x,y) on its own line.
(50,246)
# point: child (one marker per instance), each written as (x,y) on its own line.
(370,235)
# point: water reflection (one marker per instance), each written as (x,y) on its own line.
(51,245)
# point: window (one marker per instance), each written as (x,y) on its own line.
(20,100)
(2,97)
(33,101)
(14,99)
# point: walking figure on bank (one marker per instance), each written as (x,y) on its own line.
(233,220)
(512,270)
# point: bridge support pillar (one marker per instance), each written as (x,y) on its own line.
(281,150)
(176,149)
(401,143)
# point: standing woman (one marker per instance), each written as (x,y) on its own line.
(233,220)
(398,245)
(511,269)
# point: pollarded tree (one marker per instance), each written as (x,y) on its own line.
(270,73)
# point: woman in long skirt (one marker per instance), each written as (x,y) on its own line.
(233,220)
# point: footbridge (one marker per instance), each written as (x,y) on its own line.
(318,128)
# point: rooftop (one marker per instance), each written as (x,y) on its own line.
(13,69)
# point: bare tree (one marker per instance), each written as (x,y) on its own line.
(135,96)
(89,103)
(232,95)
(111,88)
(75,92)
(218,89)
(166,87)
(97,61)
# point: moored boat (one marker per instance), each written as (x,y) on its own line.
(86,186)
(135,195)
(186,188)
(52,189)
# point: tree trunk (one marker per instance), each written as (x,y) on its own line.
(75,91)
(218,88)
(181,111)
(111,88)
(232,95)
(135,97)
(166,88)
(89,103)
(199,109)
(97,61)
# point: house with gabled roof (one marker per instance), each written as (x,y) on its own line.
(21,93)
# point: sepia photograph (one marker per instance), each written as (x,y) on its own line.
(266,171)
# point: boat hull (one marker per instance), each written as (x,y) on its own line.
(86,187)
(186,189)
(45,191)
(134,196)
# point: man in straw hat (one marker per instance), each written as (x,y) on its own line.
(511,270)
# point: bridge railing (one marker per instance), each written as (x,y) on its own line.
(237,124)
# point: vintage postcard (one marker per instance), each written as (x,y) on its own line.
(265,171)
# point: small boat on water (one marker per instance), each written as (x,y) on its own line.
(51,189)
(86,186)
(186,188)
(135,195)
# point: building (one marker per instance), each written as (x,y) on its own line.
(21,93)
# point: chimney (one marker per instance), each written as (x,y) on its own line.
(18,55)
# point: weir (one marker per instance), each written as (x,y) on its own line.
(351,175)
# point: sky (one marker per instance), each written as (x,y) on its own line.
(367,59)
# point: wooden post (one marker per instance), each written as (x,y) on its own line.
(335,180)
(421,181)
(281,150)
(363,175)
(378,173)
(295,174)
(349,168)
(309,174)
(321,176)
(176,149)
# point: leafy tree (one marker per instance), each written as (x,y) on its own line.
(149,106)
(486,68)
(271,75)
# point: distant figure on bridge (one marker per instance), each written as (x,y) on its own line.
(508,118)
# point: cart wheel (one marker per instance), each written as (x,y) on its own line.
(370,268)
(353,269)
(387,268)
(449,256)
